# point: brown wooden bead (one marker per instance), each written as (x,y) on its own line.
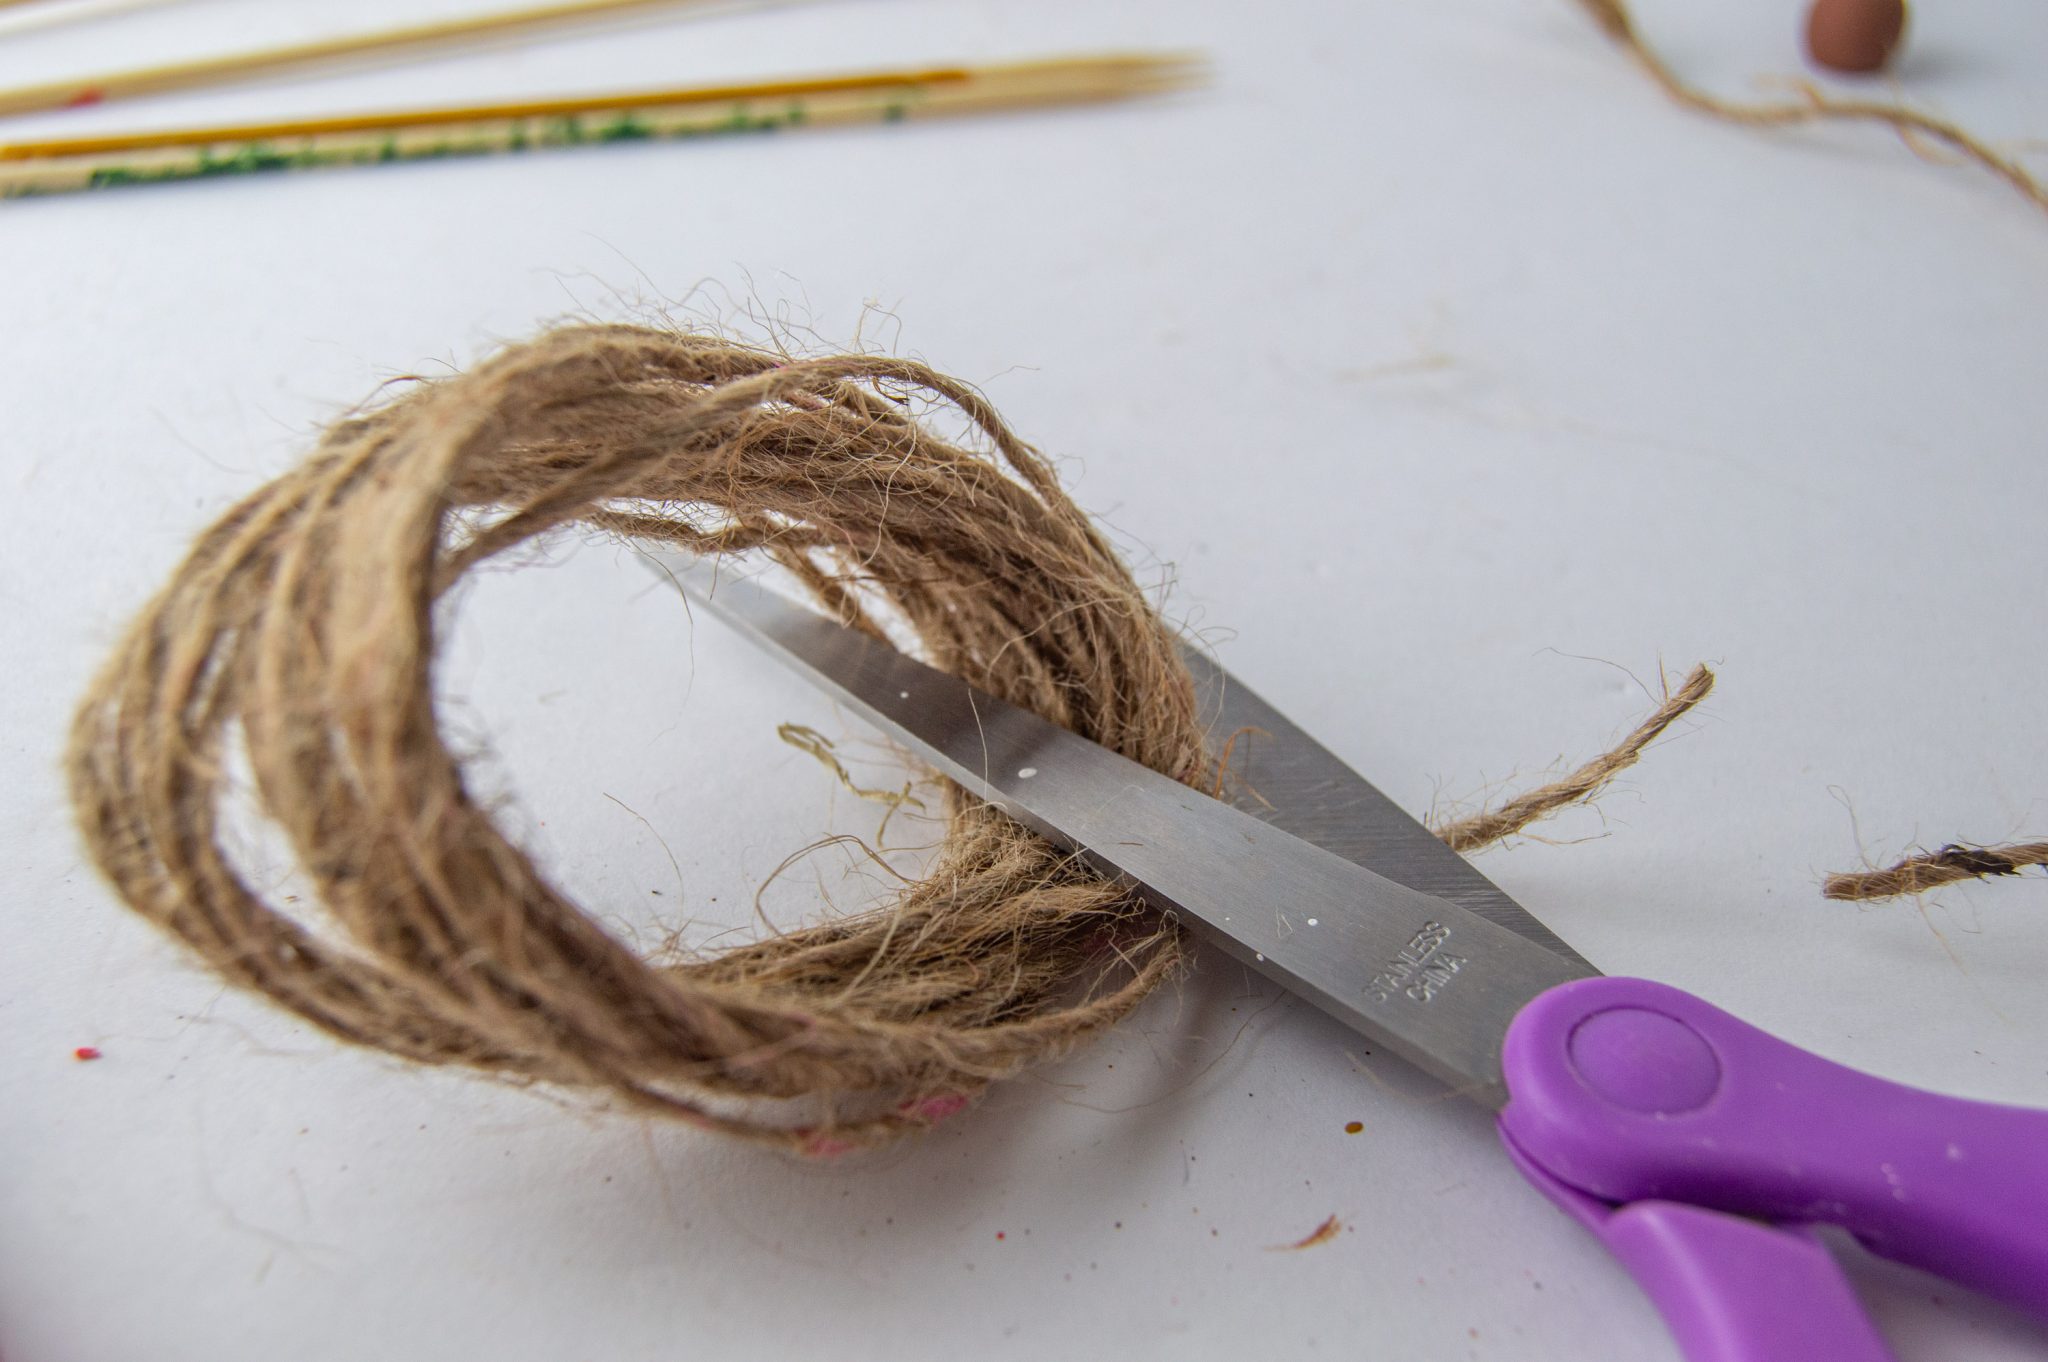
(1854,35)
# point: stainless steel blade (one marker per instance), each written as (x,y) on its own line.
(1301,787)
(1420,975)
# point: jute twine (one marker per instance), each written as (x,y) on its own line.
(301,629)
(303,622)
(1923,132)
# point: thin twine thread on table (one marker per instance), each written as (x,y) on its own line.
(302,627)
(1919,873)
(1510,817)
(1814,106)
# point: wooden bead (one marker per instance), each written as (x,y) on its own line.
(1854,35)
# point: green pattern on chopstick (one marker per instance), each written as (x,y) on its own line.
(37,168)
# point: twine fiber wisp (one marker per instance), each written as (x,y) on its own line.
(302,623)
(299,636)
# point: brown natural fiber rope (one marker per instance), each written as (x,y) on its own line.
(1931,870)
(1813,106)
(304,620)
(1492,825)
(301,629)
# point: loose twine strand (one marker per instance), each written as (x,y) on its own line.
(301,628)
(1814,106)
(1492,825)
(1931,870)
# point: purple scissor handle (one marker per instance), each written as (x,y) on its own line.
(1699,1148)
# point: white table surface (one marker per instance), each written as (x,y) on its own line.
(1454,374)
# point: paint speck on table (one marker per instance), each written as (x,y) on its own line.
(1321,1234)
(86,1052)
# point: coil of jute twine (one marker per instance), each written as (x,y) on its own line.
(298,639)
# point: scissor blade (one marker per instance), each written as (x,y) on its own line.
(1419,975)
(1298,785)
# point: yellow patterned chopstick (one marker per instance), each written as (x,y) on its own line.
(62,165)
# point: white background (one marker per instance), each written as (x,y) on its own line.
(1452,372)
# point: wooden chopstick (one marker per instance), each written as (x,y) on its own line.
(51,13)
(59,165)
(79,91)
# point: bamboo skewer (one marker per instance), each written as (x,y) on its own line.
(79,91)
(60,165)
(53,13)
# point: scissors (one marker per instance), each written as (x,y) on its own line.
(1700,1150)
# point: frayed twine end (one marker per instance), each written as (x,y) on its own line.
(1931,870)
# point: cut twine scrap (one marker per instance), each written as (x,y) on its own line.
(1931,870)
(1492,825)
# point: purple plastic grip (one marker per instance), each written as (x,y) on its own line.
(1633,1091)
(1731,1290)
(1734,1290)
